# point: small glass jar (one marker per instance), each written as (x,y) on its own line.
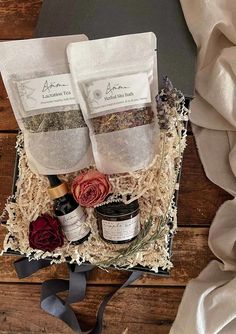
(118,222)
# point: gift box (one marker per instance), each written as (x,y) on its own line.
(23,174)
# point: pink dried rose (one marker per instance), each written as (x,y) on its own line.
(91,188)
(45,233)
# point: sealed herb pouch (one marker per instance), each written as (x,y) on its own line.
(37,79)
(115,81)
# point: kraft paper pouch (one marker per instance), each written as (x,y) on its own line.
(37,79)
(115,83)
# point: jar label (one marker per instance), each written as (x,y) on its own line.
(116,92)
(46,92)
(73,224)
(121,230)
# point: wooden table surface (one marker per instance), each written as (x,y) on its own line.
(149,306)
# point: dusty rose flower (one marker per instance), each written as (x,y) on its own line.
(45,233)
(90,188)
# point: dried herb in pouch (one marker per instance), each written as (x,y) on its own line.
(115,82)
(36,75)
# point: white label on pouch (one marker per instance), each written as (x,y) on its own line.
(118,92)
(46,92)
(73,224)
(121,230)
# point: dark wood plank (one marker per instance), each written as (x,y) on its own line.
(199,199)
(190,246)
(7,119)
(7,161)
(18,18)
(151,310)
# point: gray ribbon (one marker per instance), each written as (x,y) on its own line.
(25,268)
(56,306)
(98,327)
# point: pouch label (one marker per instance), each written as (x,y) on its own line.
(117,92)
(46,92)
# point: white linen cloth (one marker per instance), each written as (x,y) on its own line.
(209,302)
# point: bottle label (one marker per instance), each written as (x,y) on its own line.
(73,224)
(46,92)
(116,92)
(121,230)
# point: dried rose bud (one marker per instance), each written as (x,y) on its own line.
(45,233)
(91,188)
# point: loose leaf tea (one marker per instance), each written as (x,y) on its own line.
(122,120)
(115,82)
(54,121)
(36,75)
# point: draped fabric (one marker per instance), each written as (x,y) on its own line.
(209,302)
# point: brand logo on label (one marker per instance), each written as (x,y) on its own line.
(97,94)
(48,86)
(26,91)
(113,88)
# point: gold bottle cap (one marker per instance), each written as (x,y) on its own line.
(58,191)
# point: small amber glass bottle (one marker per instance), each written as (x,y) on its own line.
(118,222)
(71,216)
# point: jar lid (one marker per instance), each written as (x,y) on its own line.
(58,191)
(117,208)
